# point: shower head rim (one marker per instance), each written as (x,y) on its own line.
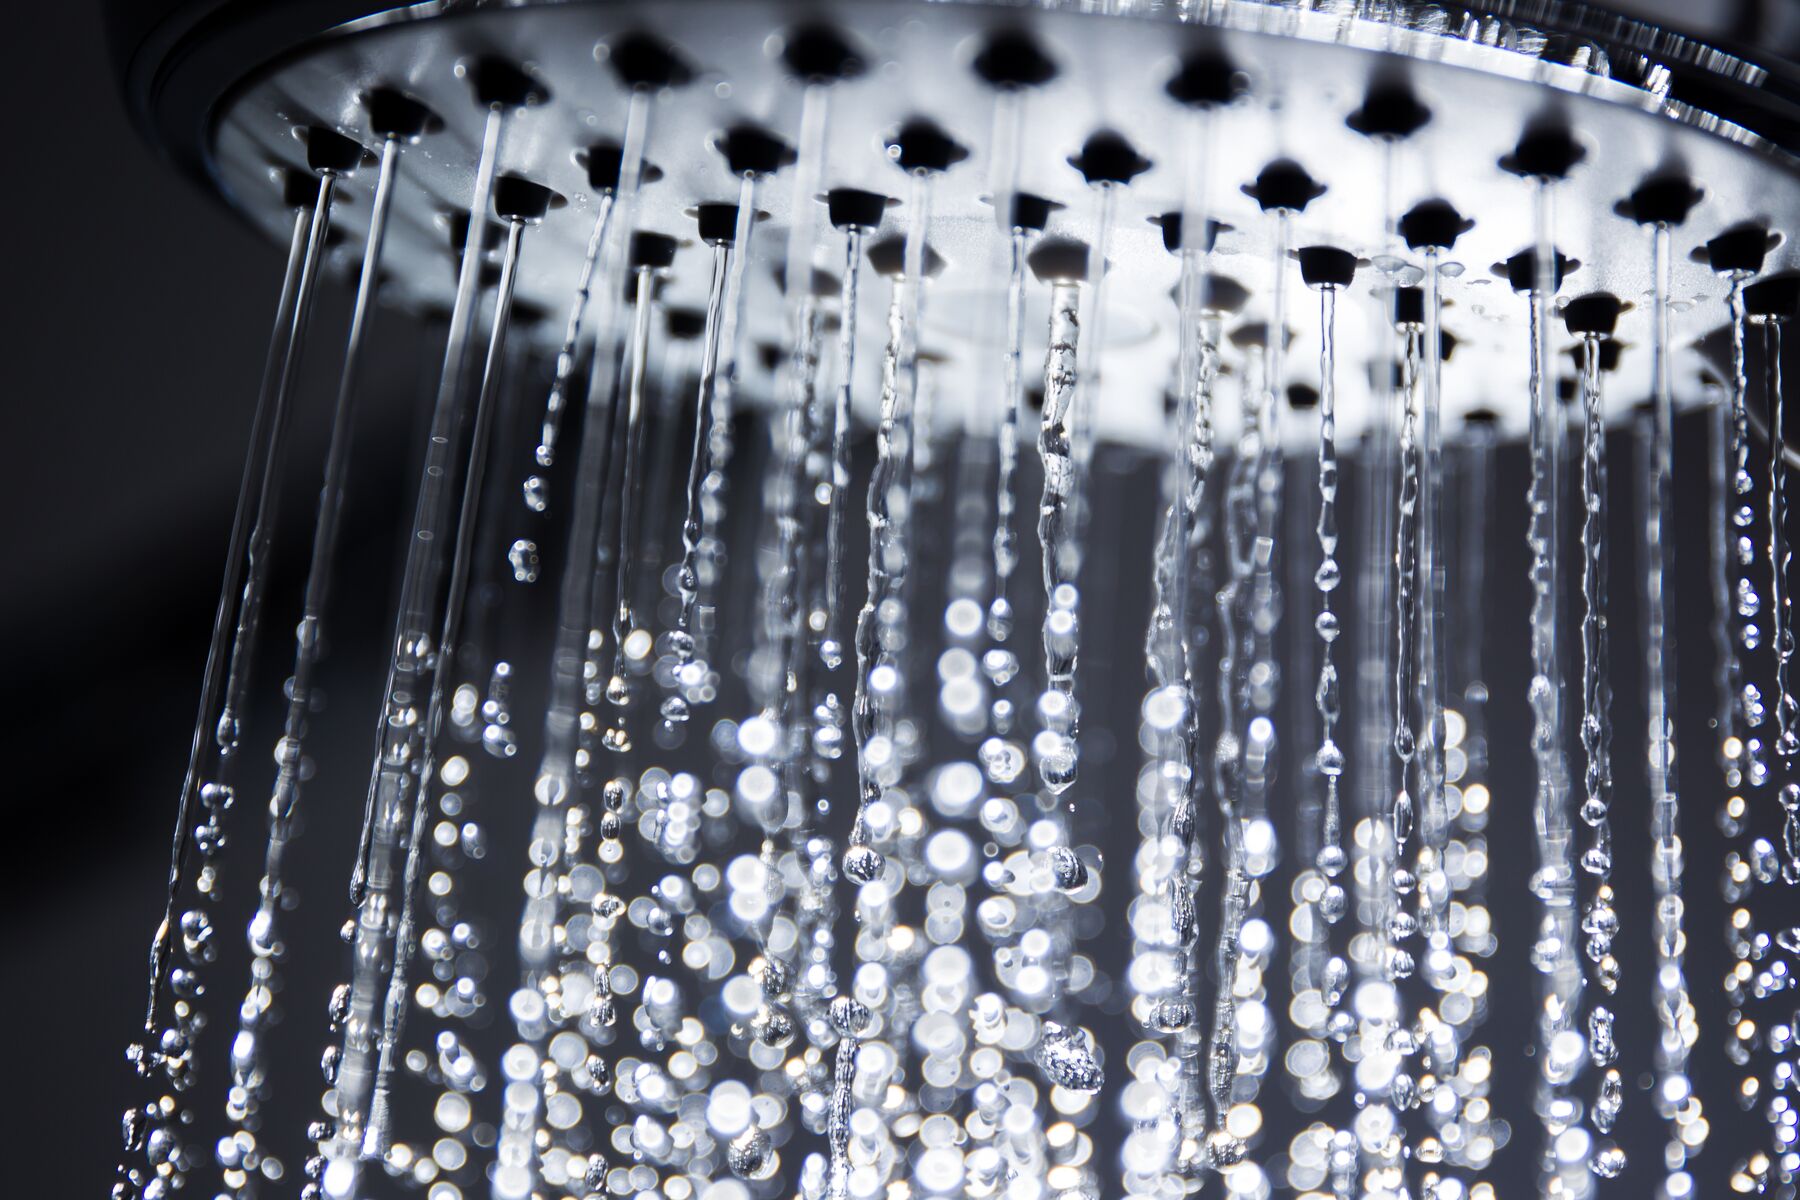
(178,69)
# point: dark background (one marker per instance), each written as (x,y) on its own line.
(136,321)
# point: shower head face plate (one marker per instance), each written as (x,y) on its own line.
(1306,73)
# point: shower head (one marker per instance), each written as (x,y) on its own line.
(1475,94)
(1293,272)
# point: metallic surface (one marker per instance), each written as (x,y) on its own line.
(1306,71)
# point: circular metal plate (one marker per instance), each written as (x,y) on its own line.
(1306,72)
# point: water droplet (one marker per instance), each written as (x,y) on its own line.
(1065,1058)
(863,863)
(751,1156)
(1066,869)
(524,560)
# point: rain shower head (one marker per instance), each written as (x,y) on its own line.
(1336,90)
(858,861)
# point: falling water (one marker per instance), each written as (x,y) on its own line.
(1001,756)
(1055,745)
(1781,605)
(1406,621)
(963,695)
(1249,1027)
(1599,919)
(1773,978)
(802,763)
(397,728)
(1432,873)
(1228,755)
(1483,1132)
(1367,1027)
(1329,757)
(1248,610)
(1730,515)
(242,1161)
(535,489)
(879,626)
(1198,365)
(1089,386)
(447,1001)
(555,782)
(1060,448)
(1746,604)
(1196,471)
(1737,881)
(1674,1011)
(1560,1044)
(1063,1053)
(778,676)
(711,572)
(688,673)
(213,750)
(1006,554)
(1171,722)
(401,729)
(816,901)
(1320,899)
(1309,1075)
(1413,664)
(889,499)
(572,984)
(378,1132)
(625,623)
(831,650)
(843,1025)
(782,674)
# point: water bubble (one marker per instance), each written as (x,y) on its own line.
(1066,1060)
(1000,619)
(1601,1044)
(337,1009)
(773,1026)
(1405,1092)
(1333,903)
(1171,1014)
(1337,978)
(1003,761)
(1066,869)
(751,1156)
(1608,1163)
(196,935)
(1330,760)
(849,1016)
(523,556)
(1224,1150)
(863,863)
(593,1177)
